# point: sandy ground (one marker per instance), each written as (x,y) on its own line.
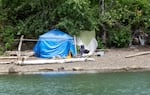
(113,60)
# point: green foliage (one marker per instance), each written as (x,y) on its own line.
(119,37)
(132,14)
(34,17)
(75,15)
(30,17)
(1,50)
(100,44)
(7,37)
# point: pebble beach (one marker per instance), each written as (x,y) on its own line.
(113,60)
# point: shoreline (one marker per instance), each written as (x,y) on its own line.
(112,61)
(108,70)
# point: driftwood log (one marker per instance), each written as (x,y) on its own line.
(47,61)
(138,54)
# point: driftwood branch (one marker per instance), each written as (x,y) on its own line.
(138,54)
(8,57)
(32,40)
(19,48)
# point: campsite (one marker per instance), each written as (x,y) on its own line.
(76,35)
(57,51)
(74,47)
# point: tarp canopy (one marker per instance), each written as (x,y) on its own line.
(54,43)
(87,38)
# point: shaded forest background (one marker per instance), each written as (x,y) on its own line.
(113,20)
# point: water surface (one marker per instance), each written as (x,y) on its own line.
(123,83)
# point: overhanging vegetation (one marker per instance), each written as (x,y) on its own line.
(114,18)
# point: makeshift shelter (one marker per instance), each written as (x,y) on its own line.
(88,40)
(54,43)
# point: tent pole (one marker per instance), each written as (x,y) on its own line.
(75,44)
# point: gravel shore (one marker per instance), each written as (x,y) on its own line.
(112,61)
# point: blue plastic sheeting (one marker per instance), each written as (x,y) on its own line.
(54,43)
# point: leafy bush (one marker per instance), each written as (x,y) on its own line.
(75,15)
(119,37)
(1,50)
(124,14)
(100,44)
(34,17)
(7,37)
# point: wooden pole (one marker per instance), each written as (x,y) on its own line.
(19,47)
(75,44)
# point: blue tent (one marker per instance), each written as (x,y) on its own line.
(54,43)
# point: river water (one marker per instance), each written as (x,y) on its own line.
(120,83)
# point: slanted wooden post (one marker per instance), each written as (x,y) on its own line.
(19,49)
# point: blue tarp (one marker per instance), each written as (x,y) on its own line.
(54,43)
